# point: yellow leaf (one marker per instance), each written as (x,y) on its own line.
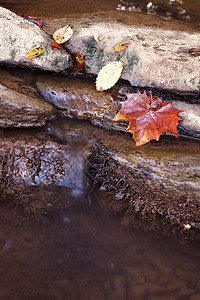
(109,75)
(63,34)
(123,46)
(34,53)
(186,226)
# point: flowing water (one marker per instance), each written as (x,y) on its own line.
(184,10)
(82,250)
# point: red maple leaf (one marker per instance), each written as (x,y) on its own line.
(148,117)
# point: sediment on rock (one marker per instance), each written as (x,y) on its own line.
(163,203)
(32,166)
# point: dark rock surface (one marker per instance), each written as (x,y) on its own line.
(18,110)
(78,98)
(32,164)
(21,105)
(159,181)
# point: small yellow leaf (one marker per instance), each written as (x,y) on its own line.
(186,226)
(109,75)
(123,46)
(34,53)
(63,34)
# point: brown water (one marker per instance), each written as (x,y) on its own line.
(184,10)
(83,252)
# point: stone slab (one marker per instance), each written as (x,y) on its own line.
(157,57)
(19,36)
(19,110)
(78,98)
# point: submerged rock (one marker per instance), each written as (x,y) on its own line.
(19,110)
(19,36)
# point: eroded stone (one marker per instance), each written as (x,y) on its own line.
(156,57)
(19,36)
(158,182)
(30,159)
(19,110)
(78,98)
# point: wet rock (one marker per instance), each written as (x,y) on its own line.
(20,80)
(19,110)
(76,97)
(191,117)
(156,185)
(159,182)
(156,181)
(156,57)
(33,168)
(19,36)
(34,160)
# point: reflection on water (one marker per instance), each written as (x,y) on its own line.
(82,252)
(187,10)
(184,10)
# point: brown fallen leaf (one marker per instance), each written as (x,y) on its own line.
(194,51)
(56,46)
(148,117)
(123,46)
(78,62)
(63,34)
(34,20)
(34,53)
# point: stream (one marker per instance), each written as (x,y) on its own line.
(84,252)
(186,11)
(81,249)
